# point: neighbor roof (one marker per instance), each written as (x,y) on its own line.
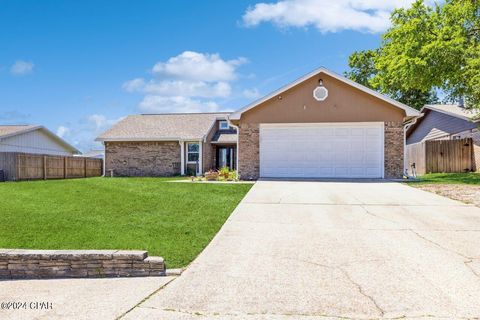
(162,127)
(410,112)
(11,130)
(454,110)
(7,131)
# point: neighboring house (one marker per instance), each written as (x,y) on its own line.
(97,154)
(33,139)
(447,122)
(321,126)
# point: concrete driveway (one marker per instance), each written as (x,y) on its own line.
(320,250)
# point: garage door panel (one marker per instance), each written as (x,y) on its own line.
(322,150)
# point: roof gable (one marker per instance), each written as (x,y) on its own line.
(434,125)
(454,111)
(410,112)
(7,131)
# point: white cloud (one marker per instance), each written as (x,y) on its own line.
(161,104)
(251,93)
(101,122)
(82,133)
(63,131)
(134,85)
(21,67)
(188,82)
(189,88)
(326,15)
(196,66)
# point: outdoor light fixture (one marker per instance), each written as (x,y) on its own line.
(320,93)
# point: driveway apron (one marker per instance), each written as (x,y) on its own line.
(332,249)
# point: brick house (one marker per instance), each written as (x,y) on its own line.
(322,125)
(447,122)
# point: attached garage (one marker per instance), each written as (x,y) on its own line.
(322,125)
(322,150)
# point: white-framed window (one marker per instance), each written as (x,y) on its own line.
(193,152)
(224,125)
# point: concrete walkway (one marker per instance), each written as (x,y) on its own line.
(326,250)
(77,299)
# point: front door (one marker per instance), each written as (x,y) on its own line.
(226,157)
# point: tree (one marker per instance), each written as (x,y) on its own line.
(425,51)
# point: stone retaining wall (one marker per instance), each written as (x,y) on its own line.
(20,263)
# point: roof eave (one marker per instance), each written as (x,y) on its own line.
(148,139)
(430,107)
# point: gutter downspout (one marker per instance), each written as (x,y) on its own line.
(238,149)
(104,158)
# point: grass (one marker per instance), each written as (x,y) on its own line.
(472,178)
(172,220)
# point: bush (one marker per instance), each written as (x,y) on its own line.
(223,174)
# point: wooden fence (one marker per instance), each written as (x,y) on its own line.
(441,156)
(26,166)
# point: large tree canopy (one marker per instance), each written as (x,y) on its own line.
(425,51)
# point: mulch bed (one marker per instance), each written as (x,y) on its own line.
(462,192)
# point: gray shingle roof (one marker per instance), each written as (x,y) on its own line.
(455,110)
(9,130)
(225,136)
(175,126)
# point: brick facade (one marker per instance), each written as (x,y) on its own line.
(249,160)
(248,151)
(148,159)
(394,150)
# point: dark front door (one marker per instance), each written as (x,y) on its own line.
(226,157)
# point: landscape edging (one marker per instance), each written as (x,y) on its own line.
(24,263)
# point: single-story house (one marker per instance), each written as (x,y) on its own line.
(322,125)
(169,144)
(447,122)
(33,139)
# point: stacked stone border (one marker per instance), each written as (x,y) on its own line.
(21,263)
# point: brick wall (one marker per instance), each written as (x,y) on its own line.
(142,158)
(248,151)
(249,161)
(394,148)
(19,263)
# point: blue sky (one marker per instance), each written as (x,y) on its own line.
(79,66)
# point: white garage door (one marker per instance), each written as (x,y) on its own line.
(322,150)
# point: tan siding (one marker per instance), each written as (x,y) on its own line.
(344,104)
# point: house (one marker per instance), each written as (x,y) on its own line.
(321,125)
(97,154)
(169,144)
(33,139)
(447,122)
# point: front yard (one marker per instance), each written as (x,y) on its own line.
(464,187)
(174,220)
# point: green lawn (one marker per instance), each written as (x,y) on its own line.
(450,178)
(172,220)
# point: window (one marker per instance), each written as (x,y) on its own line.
(193,151)
(224,125)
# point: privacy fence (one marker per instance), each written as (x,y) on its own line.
(26,166)
(441,156)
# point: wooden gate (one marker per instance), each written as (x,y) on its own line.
(441,156)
